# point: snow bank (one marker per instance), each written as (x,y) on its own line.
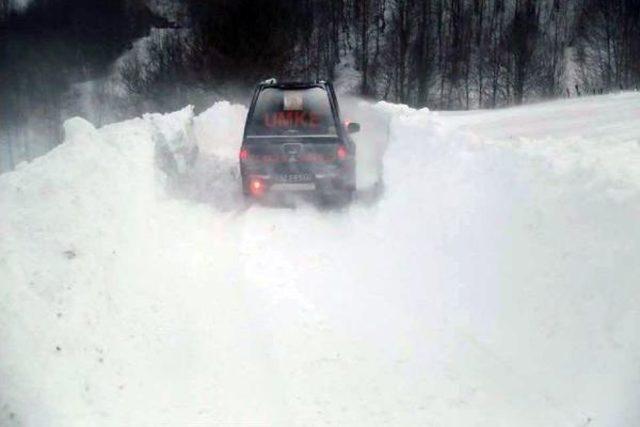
(175,146)
(78,231)
(67,218)
(495,282)
(536,240)
(218,130)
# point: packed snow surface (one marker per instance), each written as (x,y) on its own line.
(494,282)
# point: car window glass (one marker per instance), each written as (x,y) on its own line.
(302,112)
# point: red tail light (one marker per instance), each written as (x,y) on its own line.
(256,186)
(342,153)
(244,154)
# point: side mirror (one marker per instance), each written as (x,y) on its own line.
(353,127)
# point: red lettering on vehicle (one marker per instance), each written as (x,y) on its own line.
(314,120)
(287,119)
(269,120)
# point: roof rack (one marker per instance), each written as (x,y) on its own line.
(271,81)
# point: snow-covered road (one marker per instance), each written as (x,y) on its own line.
(495,282)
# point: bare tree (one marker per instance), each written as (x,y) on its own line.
(523,39)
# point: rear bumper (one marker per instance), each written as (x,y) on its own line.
(328,180)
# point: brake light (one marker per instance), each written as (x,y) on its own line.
(342,153)
(244,154)
(256,186)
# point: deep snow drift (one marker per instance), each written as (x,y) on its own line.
(494,283)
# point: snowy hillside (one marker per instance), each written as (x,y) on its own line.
(494,283)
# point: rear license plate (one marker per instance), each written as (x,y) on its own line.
(288,186)
(296,178)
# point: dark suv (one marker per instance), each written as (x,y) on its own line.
(294,140)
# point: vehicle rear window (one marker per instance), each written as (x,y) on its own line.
(293,112)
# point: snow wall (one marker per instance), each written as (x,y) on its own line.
(490,284)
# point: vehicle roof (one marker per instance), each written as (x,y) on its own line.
(293,84)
